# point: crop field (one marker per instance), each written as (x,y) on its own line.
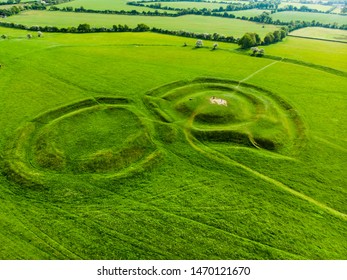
(132,146)
(192,23)
(322,33)
(303,16)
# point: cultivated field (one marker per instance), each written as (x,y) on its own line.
(131,146)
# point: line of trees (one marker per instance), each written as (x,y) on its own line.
(82,28)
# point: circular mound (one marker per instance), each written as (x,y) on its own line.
(221,110)
(104,137)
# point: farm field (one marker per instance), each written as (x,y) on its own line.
(248,13)
(326,53)
(116,5)
(191,5)
(319,7)
(192,23)
(131,146)
(322,33)
(303,16)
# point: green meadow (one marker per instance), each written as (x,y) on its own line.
(191,5)
(133,146)
(248,13)
(319,7)
(329,54)
(304,16)
(116,5)
(322,33)
(192,23)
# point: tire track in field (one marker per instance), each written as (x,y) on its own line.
(261,69)
(224,159)
(229,233)
(39,234)
(162,210)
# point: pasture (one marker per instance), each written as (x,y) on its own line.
(116,5)
(304,16)
(131,146)
(322,33)
(319,7)
(248,13)
(329,54)
(192,23)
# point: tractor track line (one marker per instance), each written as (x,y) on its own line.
(284,187)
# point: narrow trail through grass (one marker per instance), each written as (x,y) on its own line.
(256,72)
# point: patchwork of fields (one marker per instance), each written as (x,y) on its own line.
(138,146)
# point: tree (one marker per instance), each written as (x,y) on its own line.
(277,36)
(141,27)
(268,39)
(85,27)
(249,40)
(199,44)
(261,52)
(254,50)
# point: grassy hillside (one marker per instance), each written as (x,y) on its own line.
(113,147)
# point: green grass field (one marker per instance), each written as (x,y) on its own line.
(247,13)
(322,33)
(116,5)
(191,5)
(192,23)
(325,53)
(302,16)
(318,7)
(131,146)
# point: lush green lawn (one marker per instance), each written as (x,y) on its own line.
(322,33)
(303,16)
(200,24)
(195,185)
